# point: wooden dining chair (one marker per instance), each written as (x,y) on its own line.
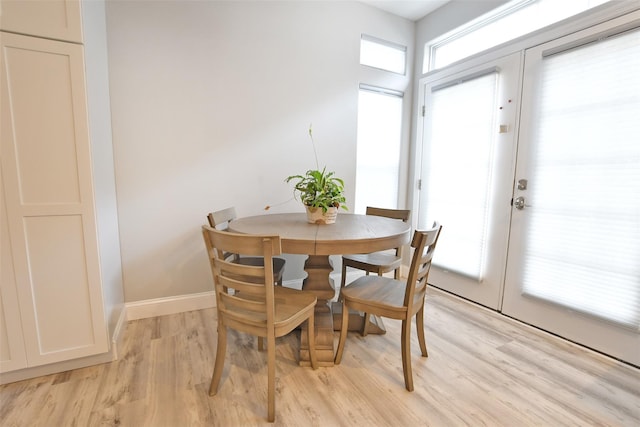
(377,262)
(259,308)
(220,220)
(394,299)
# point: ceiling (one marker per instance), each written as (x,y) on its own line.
(410,9)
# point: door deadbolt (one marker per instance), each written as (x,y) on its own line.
(522,184)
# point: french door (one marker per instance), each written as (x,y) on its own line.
(469,134)
(549,233)
(574,252)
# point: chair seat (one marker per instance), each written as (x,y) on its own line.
(375,262)
(291,305)
(382,296)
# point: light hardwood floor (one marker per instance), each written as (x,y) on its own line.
(483,369)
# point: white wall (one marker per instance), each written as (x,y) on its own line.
(211,102)
(96,63)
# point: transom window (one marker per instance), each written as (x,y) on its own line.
(383,54)
(514,19)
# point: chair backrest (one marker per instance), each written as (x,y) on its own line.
(220,219)
(253,302)
(402,214)
(424,245)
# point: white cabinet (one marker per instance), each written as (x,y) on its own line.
(51,300)
(53,19)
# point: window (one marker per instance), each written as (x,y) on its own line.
(514,19)
(378,148)
(382,54)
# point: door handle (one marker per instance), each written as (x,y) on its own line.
(519,203)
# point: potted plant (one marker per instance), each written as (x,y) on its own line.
(321,192)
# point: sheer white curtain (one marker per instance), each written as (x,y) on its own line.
(378,148)
(583,238)
(461,129)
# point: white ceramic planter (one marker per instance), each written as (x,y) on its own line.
(316,216)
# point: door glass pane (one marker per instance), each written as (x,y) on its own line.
(461,130)
(583,230)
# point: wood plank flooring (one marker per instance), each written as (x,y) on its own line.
(482,370)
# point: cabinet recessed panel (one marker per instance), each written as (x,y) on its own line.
(46,156)
(12,350)
(5,346)
(59,282)
(56,19)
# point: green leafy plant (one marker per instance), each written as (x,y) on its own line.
(319,188)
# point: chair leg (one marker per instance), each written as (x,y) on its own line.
(219,364)
(343,279)
(367,316)
(311,339)
(365,324)
(271,377)
(420,330)
(406,354)
(343,333)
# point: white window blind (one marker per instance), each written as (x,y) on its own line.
(461,129)
(584,231)
(378,148)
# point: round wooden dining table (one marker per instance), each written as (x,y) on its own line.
(350,234)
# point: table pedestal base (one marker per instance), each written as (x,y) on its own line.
(324,338)
(328,316)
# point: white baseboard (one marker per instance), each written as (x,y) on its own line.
(54,368)
(169,305)
(181,303)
